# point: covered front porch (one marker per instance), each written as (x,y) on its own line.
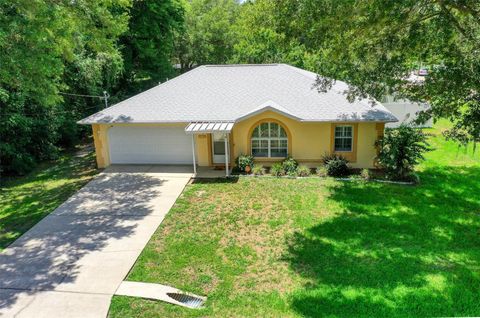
(211,173)
(218,142)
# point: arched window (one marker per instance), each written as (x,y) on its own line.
(269,140)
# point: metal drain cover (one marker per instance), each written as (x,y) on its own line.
(160,292)
(187,300)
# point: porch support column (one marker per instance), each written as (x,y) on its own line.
(227,173)
(193,154)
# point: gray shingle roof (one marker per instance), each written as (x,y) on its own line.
(233,92)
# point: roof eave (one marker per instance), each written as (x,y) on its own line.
(342,120)
(323,120)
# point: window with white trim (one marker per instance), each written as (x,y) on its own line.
(344,138)
(269,140)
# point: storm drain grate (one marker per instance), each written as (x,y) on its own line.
(187,300)
(165,293)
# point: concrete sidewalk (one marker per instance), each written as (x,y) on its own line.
(71,263)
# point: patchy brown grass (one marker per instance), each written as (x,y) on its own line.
(241,215)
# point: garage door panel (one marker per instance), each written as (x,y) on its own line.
(154,145)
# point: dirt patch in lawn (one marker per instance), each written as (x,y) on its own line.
(241,227)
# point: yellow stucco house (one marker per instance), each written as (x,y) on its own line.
(213,113)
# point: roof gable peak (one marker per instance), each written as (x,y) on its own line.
(266,106)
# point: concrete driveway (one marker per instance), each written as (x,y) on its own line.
(71,263)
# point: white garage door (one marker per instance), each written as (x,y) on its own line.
(160,145)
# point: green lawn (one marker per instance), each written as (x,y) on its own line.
(261,247)
(448,153)
(26,200)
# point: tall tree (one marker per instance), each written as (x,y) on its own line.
(259,38)
(207,37)
(88,74)
(376,44)
(37,40)
(147,46)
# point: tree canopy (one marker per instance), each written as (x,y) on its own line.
(39,42)
(375,45)
(207,36)
(147,46)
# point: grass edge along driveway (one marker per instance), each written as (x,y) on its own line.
(28,199)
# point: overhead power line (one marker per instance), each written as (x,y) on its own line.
(105,96)
(49,113)
(81,95)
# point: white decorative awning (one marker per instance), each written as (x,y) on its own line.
(204,127)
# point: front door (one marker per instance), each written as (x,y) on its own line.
(218,148)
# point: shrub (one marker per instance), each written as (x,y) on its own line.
(365,174)
(292,173)
(336,165)
(258,170)
(337,168)
(26,140)
(303,171)
(277,170)
(244,160)
(236,170)
(322,171)
(290,166)
(327,157)
(400,150)
(69,132)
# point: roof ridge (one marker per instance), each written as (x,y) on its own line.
(239,65)
(299,70)
(302,72)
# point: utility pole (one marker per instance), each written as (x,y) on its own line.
(105,97)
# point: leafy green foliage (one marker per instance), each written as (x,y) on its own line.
(258,170)
(207,36)
(400,150)
(375,46)
(277,170)
(289,166)
(87,74)
(257,38)
(25,139)
(303,171)
(147,46)
(28,199)
(42,46)
(74,47)
(243,161)
(336,165)
(365,174)
(322,171)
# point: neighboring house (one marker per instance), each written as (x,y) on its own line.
(269,111)
(405,110)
